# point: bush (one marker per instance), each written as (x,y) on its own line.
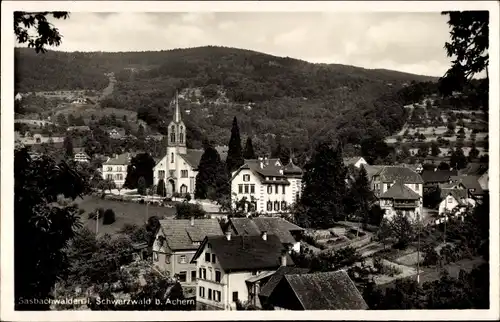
(108,217)
(431,257)
(188,197)
(186,211)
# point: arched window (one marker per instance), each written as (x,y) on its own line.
(181,135)
(269,189)
(172,134)
(276,206)
(172,157)
(283,205)
(269,206)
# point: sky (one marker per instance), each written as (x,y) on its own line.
(409,42)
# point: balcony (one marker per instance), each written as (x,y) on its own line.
(405,205)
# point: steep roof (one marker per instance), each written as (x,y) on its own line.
(371,170)
(459,194)
(351,160)
(326,291)
(268,169)
(474,168)
(244,253)
(193,156)
(180,235)
(120,159)
(269,287)
(292,169)
(398,173)
(400,192)
(430,176)
(470,182)
(272,225)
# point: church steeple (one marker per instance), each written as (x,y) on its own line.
(177,115)
(176,128)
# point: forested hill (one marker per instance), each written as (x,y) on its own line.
(287,96)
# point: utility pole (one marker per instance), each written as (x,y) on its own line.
(418,248)
(97,222)
(147,205)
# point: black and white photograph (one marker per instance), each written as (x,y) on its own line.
(261,156)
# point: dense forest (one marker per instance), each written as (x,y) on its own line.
(297,100)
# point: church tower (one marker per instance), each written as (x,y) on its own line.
(176,137)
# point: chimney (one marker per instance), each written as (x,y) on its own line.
(264,235)
(262,165)
(281,171)
(283,258)
(192,221)
(228,235)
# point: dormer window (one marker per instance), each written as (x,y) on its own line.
(246,177)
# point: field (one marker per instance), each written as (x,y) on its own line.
(126,213)
(86,111)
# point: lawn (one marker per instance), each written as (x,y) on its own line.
(126,213)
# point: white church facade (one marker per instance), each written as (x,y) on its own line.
(179,167)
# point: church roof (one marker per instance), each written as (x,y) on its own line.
(193,156)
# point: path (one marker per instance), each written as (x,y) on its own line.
(111,86)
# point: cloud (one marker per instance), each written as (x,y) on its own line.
(410,42)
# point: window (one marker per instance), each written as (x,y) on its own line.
(182,276)
(276,188)
(109,176)
(269,189)
(450,200)
(276,205)
(167,259)
(110,169)
(172,134)
(207,257)
(252,188)
(284,189)
(283,205)
(193,276)
(235,296)
(119,176)
(240,188)
(246,188)
(202,292)
(181,135)
(217,276)
(182,259)
(172,157)
(155,256)
(269,206)
(171,173)
(209,294)
(119,169)
(417,187)
(217,295)
(161,174)
(184,173)
(213,258)
(246,177)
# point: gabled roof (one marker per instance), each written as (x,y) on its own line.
(272,225)
(399,191)
(474,168)
(268,169)
(326,291)
(246,253)
(398,173)
(470,182)
(192,157)
(430,176)
(120,159)
(268,288)
(371,170)
(292,169)
(351,160)
(180,235)
(460,195)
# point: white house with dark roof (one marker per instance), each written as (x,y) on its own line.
(115,168)
(234,268)
(454,202)
(179,167)
(268,184)
(357,162)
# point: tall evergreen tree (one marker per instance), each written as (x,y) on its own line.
(280,150)
(140,166)
(208,172)
(458,160)
(161,190)
(324,187)
(362,195)
(68,147)
(234,154)
(249,152)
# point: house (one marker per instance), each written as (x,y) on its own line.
(471,183)
(474,169)
(79,128)
(177,241)
(116,133)
(484,181)
(400,198)
(314,291)
(357,162)
(270,285)
(454,201)
(79,100)
(80,155)
(287,232)
(267,184)
(232,269)
(179,167)
(436,177)
(18,97)
(115,168)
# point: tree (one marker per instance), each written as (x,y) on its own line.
(234,158)
(324,186)
(473,153)
(186,210)
(108,217)
(161,190)
(249,152)
(46,33)
(384,232)
(68,147)
(141,186)
(140,166)
(106,184)
(280,151)
(432,197)
(458,160)
(362,195)
(49,223)
(435,151)
(402,230)
(209,170)
(373,148)
(443,166)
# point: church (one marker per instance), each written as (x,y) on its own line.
(179,167)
